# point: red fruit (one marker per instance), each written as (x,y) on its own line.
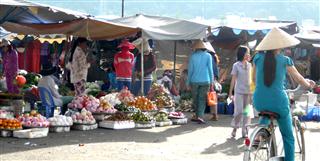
(21,80)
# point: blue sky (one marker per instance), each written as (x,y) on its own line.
(296,10)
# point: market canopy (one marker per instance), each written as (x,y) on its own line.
(234,33)
(164,28)
(20,11)
(27,18)
(89,28)
(308,38)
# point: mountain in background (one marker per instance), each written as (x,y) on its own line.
(294,10)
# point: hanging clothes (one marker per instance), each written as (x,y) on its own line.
(44,53)
(36,56)
(21,60)
(29,61)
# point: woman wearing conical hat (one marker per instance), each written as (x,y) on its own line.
(200,76)
(270,68)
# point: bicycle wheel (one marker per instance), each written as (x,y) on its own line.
(300,151)
(262,146)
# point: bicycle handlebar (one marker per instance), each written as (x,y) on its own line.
(298,92)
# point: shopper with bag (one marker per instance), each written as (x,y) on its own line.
(215,87)
(200,76)
(240,83)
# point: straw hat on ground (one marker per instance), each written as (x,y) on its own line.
(209,47)
(199,44)
(277,39)
(146,47)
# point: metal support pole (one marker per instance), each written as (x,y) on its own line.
(174,61)
(122,8)
(142,66)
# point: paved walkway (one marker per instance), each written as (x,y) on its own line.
(188,142)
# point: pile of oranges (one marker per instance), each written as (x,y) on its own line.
(10,124)
(143,103)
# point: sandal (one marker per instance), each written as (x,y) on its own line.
(201,121)
(214,117)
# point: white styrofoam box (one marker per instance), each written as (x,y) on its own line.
(117,124)
(165,123)
(140,125)
(6,133)
(84,127)
(59,129)
(311,98)
(31,133)
(179,121)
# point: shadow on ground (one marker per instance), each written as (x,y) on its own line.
(225,147)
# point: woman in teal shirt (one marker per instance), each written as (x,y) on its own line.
(200,76)
(270,70)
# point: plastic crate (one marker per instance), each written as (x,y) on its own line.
(222,108)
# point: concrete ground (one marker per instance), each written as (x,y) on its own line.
(210,141)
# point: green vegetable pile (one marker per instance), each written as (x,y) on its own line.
(141,117)
(161,117)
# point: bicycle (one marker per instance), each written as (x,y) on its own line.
(262,143)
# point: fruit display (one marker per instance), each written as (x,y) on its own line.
(161,117)
(10,124)
(125,96)
(124,108)
(83,117)
(141,117)
(111,98)
(5,114)
(143,103)
(105,106)
(60,120)
(176,115)
(88,102)
(185,105)
(33,120)
(31,79)
(118,116)
(20,80)
(92,88)
(160,96)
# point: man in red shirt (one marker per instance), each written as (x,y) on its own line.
(123,64)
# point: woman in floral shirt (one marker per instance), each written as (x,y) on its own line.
(78,65)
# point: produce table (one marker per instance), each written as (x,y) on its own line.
(14,100)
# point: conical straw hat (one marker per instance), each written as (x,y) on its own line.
(146,47)
(277,39)
(209,47)
(199,44)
